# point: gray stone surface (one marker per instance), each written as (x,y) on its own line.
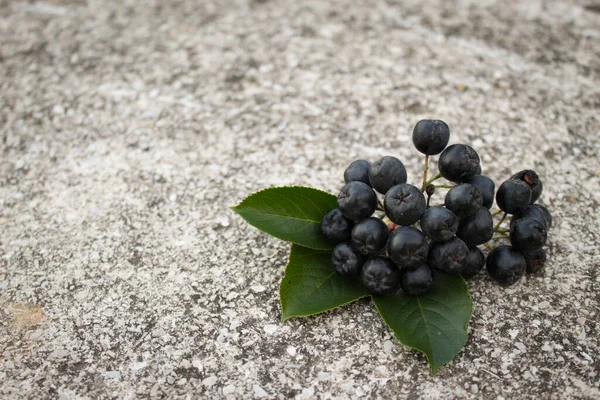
(128,127)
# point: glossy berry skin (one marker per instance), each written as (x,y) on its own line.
(404,204)
(357,201)
(407,247)
(459,162)
(431,136)
(463,200)
(385,173)
(369,236)
(528,234)
(417,281)
(534,211)
(380,276)
(475,263)
(346,260)
(439,224)
(513,196)
(535,260)
(357,171)
(487,188)
(531,178)
(450,256)
(506,265)
(476,229)
(335,227)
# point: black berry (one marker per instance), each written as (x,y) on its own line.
(450,256)
(430,136)
(475,263)
(458,163)
(386,172)
(407,247)
(513,196)
(487,188)
(534,211)
(531,178)
(506,265)
(380,276)
(357,171)
(335,227)
(417,281)
(346,260)
(528,234)
(357,200)
(476,229)
(439,224)
(535,260)
(463,200)
(369,236)
(404,204)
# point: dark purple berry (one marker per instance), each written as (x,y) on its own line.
(357,200)
(385,173)
(535,260)
(417,281)
(369,236)
(531,178)
(506,265)
(475,263)
(346,260)
(439,224)
(380,276)
(458,163)
(487,188)
(463,200)
(450,256)
(534,211)
(335,227)
(476,229)
(528,234)
(430,136)
(407,247)
(357,171)
(404,204)
(513,196)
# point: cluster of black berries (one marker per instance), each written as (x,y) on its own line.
(419,237)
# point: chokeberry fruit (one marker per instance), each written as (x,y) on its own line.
(475,263)
(407,247)
(513,196)
(506,265)
(476,229)
(369,236)
(335,227)
(357,171)
(450,256)
(531,178)
(357,200)
(417,281)
(528,234)
(439,224)
(463,200)
(380,276)
(430,136)
(404,204)
(534,211)
(385,173)
(458,162)
(535,260)
(346,260)
(486,186)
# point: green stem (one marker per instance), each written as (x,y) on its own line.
(435,178)
(500,222)
(444,186)
(496,213)
(425,169)
(499,237)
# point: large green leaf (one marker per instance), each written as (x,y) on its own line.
(434,323)
(290,213)
(311,286)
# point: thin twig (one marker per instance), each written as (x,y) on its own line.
(425,169)
(496,213)
(435,178)
(500,222)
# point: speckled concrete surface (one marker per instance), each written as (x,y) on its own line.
(128,127)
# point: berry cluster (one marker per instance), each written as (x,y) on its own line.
(399,247)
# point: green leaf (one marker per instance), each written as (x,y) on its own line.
(434,323)
(311,286)
(290,213)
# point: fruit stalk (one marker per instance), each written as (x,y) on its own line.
(425,170)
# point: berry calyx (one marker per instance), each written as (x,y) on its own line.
(404,204)
(346,260)
(380,276)
(335,227)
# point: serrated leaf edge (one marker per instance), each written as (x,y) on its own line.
(432,369)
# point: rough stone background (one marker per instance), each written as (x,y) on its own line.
(128,127)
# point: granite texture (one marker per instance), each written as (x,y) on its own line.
(128,127)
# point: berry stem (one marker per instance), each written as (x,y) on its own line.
(425,169)
(496,213)
(500,222)
(444,186)
(499,237)
(428,198)
(435,178)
